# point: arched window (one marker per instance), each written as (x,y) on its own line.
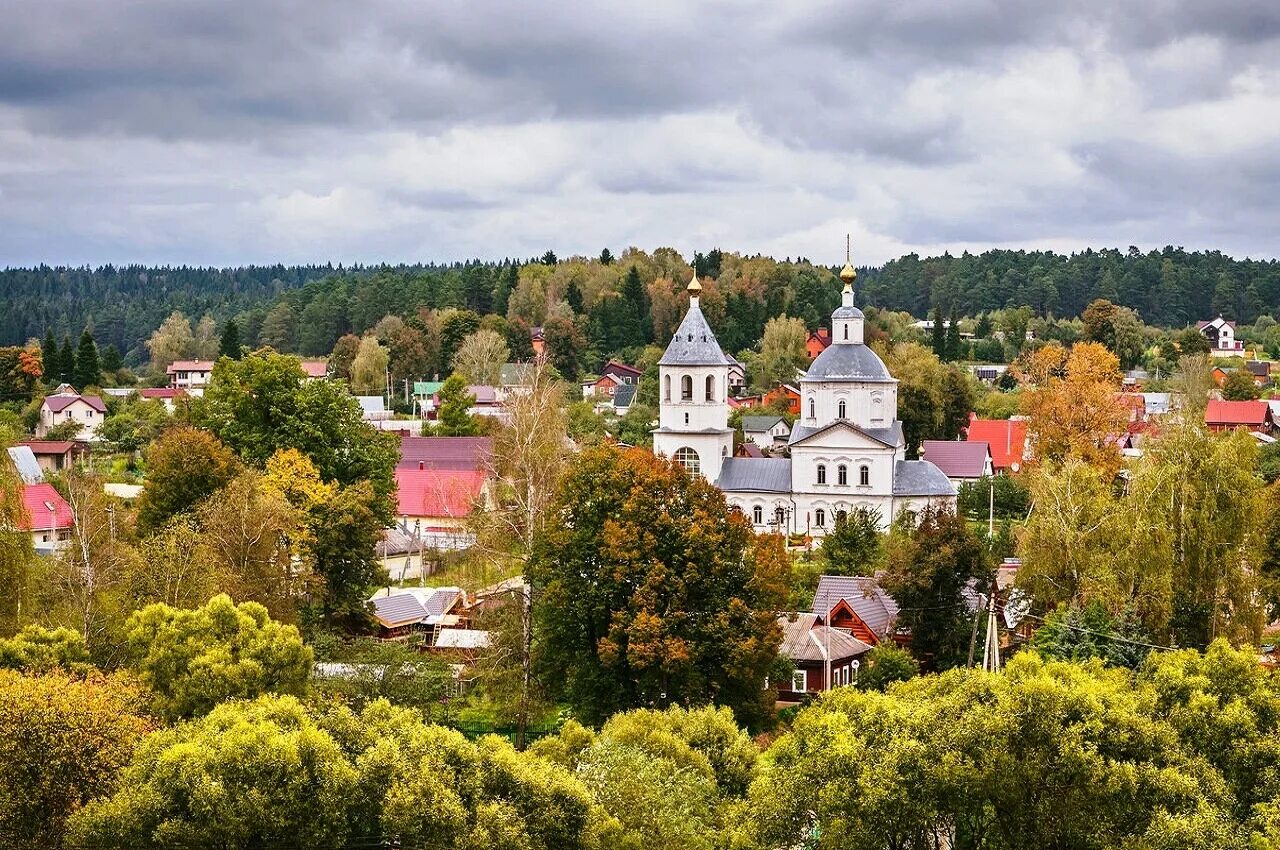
(822,473)
(842,475)
(820,517)
(666,388)
(877,409)
(864,476)
(711,387)
(757,515)
(686,388)
(687,458)
(813,411)
(779,517)
(846,330)
(842,408)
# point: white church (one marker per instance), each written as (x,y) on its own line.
(847,448)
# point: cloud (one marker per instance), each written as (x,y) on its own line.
(285,130)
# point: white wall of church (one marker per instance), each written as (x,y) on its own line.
(867,405)
(693,397)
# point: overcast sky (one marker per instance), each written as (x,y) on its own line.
(208,131)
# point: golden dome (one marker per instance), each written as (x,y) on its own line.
(847,274)
(694,287)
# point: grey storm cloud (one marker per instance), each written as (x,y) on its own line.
(286,130)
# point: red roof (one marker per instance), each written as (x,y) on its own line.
(315,368)
(1007,439)
(617,366)
(437,492)
(58,403)
(37,498)
(49,447)
(1220,412)
(162,392)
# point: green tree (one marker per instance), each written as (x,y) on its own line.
(1003,494)
(853,546)
(1191,341)
(88,371)
(566,346)
(930,569)
(1238,385)
(481,356)
(49,356)
(953,337)
(885,664)
(279,328)
(939,333)
(112,362)
(346,529)
(262,404)
(782,351)
(66,361)
(63,741)
(173,340)
(344,354)
(193,659)
(184,466)
(1079,634)
(651,592)
(453,417)
(230,344)
(36,649)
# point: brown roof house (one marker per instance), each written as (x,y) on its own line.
(960,461)
(822,657)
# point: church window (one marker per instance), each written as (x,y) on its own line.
(842,409)
(877,409)
(757,515)
(813,410)
(686,419)
(711,388)
(842,475)
(688,458)
(820,517)
(864,476)
(822,473)
(666,388)
(846,331)
(686,388)
(779,517)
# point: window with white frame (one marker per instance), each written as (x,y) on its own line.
(757,515)
(842,475)
(820,518)
(822,473)
(864,475)
(842,409)
(687,458)
(799,681)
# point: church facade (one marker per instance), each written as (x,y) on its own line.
(847,449)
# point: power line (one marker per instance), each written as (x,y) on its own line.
(1105,635)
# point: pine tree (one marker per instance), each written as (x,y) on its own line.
(454,419)
(88,368)
(573,295)
(508,278)
(606,257)
(111,359)
(66,361)
(953,337)
(49,356)
(230,345)
(939,333)
(638,330)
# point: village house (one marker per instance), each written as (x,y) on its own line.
(67,405)
(817,342)
(602,387)
(1253,416)
(190,375)
(56,455)
(1005,438)
(783,391)
(439,481)
(766,432)
(821,656)
(538,340)
(417,612)
(1221,334)
(623,397)
(1261,371)
(858,605)
(168,396)
(959,460)
(49,518)
(989,373)
(315,370)
(736,375)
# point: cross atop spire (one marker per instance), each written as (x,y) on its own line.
(847,274)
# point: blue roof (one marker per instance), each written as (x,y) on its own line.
(756,474)
(400,610)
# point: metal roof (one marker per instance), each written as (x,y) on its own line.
(402,609)
(760,423)
(890,435)
(920,478)
(693,344)
(25,461)
(462,639)
(848,362)
(760,475)
(958,459)
(804,640)
(624,395)
(861,593)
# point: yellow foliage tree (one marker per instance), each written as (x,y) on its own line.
(1071,400)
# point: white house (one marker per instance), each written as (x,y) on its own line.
(847,449)
(66,405)
(190,375)
(1221,335)
(766,431)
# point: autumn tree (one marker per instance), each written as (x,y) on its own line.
(934,399)
(369,369)
(782,351)
(1239,385)
(344,354)
(652,592)
(37,649)
(184,466)
(193,659)
(174,567)
(480,357)
(1070,398)
(173,340)
(64,739)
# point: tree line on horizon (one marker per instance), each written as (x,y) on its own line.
(308,308)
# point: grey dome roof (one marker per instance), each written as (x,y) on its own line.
(848,362)
(694,344)
(847,313)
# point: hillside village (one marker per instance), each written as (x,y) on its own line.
(524,544)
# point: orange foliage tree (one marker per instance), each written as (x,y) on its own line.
(1071,399)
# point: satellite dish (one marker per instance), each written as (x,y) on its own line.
(1015,466)
(855,664)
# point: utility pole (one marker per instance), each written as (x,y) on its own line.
(991,657)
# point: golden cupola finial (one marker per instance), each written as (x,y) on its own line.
(847,274)
(694,287)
